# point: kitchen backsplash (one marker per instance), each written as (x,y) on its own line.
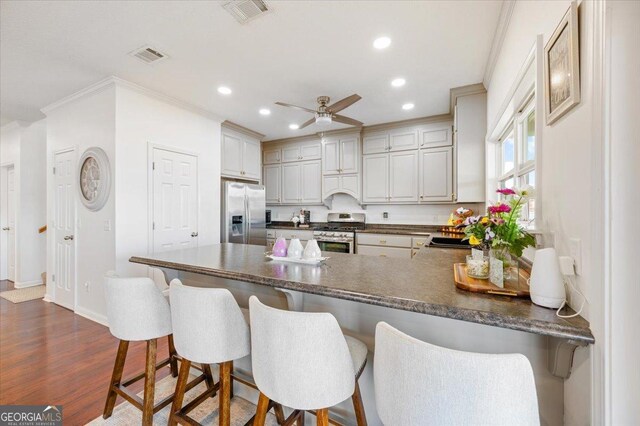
(433,214)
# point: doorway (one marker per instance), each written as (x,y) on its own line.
(64,221)
(8,220)
(174,200)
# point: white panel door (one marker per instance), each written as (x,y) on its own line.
(375,187)
(375,144)
(64,219)
(403,176)
(291,183)
(349,158)
(436,174)
(330,157)
(232,151)
(251,159)
(11,225)
(311,182)
(175,200)
(271,181)
(400,141)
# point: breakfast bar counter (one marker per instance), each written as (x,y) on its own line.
(423,284)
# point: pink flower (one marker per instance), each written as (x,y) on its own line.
(506,191)
(500,208)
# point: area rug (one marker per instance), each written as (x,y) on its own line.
(206,413)
(24,294)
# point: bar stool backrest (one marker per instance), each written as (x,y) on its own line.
(208,325)
(136,309)
(417,383)
(300,359)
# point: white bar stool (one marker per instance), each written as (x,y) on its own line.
(209,328)
(137,311)
(303,361)
(417,383)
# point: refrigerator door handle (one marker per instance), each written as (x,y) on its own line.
(247,221)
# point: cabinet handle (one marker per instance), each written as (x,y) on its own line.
(194,234)
(422,196)
(383,241)
(383,255)
(419,244)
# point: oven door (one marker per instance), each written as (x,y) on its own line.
(336,246)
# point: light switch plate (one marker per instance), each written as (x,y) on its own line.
(575,250)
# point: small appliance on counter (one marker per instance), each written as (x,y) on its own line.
(546,284)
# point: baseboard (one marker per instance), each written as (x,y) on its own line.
(25,284)
(47,298)
(88,314)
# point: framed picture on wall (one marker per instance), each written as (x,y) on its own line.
(562,67)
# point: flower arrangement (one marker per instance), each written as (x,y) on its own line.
(458,216)
(499,229)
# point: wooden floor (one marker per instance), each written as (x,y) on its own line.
(49,355)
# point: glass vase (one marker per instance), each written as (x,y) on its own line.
(510,268)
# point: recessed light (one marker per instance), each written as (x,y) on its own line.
(398,82)
(223,90)
(264,111)
(294,126)
(381,42)
(407,107)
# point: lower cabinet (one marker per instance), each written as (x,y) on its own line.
(389,245)
(384,251)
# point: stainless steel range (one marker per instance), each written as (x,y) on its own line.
(340,233)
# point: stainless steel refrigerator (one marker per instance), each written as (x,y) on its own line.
(243,214)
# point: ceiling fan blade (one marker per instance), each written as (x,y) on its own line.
(306,123)
(346,120)
(296,107)
(344,103)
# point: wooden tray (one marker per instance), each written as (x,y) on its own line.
(511,288)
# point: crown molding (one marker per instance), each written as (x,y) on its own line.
(15,124)
(241,129)
(471,89)
(115,81)
(340,132)
(406,123)
(306,138)
(506,11)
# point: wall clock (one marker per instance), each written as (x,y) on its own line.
(94,178)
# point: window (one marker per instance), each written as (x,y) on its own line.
(517,155)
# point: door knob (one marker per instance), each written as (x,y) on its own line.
(68,237)
(194,234)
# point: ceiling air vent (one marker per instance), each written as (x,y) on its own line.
(148,55)
(246,10)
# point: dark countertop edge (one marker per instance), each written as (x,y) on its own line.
(462,314)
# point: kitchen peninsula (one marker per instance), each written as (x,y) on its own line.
(362,290)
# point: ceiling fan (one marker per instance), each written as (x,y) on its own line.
(327,113)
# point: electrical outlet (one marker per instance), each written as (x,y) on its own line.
(385,215)
(575,250)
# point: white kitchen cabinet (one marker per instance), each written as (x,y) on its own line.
(403,176)
(402,140)
(271,178)
(240,156)
(436,174)
(301,152)
(375,143)
(375,182)
(341,155)
(436,138)
(272,156)
(290,153)
(345,184)
(301,183)
(470,124)
(402,253)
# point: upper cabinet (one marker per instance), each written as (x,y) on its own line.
(240,152)
(390,141)
(341,154)
(470,128)
(436,175)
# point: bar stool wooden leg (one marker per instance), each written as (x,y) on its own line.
(149,382)
(116,377)
(301,418)
(277,408)
(261,410)
(208,377)
(358,407)
(231,379)
(224,398)
(181,385)
(173,361)
(323,417)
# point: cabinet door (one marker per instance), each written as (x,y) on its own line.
(311,151)
(291,183)
(330,157)
(375,144)
(350,184)
(330,185)
(251,159)
(434,138)
(403,176)
(290,153)
(271,156)
(271,179)
(232,148)
(311,182)
(436,174)
(403,140)
(375,188)
(471,127)
(349,157)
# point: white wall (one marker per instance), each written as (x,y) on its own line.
(10,136)
(88,121)
(568,194)
(142,120)
(434,214)
(625,204)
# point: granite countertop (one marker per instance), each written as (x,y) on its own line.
(423,284)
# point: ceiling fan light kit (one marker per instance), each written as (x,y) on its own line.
(326,114)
